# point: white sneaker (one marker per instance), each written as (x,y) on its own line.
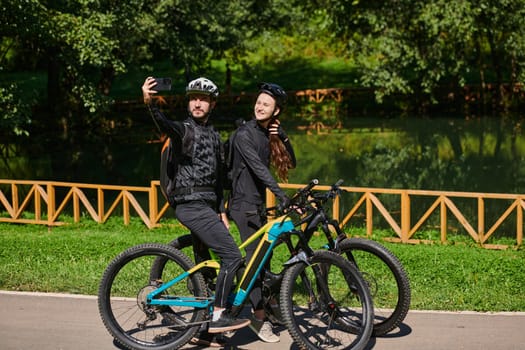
(264,330)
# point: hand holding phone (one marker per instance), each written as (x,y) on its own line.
(163,84)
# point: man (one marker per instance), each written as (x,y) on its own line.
(257,144)
(197,192)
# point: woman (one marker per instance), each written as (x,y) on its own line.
(259,143)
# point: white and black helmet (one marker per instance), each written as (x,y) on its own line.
(202,86)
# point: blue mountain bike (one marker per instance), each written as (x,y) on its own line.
(152,296)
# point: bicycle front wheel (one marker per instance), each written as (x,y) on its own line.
(386,278)
(325,304)
(131,319)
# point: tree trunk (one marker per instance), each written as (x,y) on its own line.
(53,81)
(106,80)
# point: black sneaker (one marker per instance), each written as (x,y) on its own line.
(227,323)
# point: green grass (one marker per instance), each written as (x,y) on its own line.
(71,259)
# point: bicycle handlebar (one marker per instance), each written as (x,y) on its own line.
(320,197)
(310,186)
(338,183)
(303,199)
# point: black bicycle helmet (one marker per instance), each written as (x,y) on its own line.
(276,92)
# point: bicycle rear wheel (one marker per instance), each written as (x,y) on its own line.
(386,278)
(325,304)
(158,264)
(130,319)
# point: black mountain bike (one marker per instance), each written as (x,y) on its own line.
(385,275)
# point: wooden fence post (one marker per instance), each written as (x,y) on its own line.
(519,222)
(443,214)
(100,205)
(37,201)
(481,220)
(153,204)
(369,215)
(405,216)
(51,203)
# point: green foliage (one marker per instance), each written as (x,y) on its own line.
(83,45)
(88,38)
(16,113)
(410,47)
(86,53)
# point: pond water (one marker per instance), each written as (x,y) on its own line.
(477,155)
(480,155)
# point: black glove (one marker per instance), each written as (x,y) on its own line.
(284,203)
(275,129)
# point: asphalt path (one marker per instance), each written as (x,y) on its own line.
(44,321)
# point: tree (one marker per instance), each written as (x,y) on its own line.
(14,106)
(194,32)
(410,47)
(499,42)
(84,44)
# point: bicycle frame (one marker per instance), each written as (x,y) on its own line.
(319,218)
(268,234)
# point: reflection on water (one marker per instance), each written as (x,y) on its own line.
(480,155)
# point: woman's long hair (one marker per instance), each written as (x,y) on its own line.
(279,157)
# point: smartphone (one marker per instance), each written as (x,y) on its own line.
(163,84)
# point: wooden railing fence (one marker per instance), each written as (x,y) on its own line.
(43,202)
(39,200)
(442,203)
